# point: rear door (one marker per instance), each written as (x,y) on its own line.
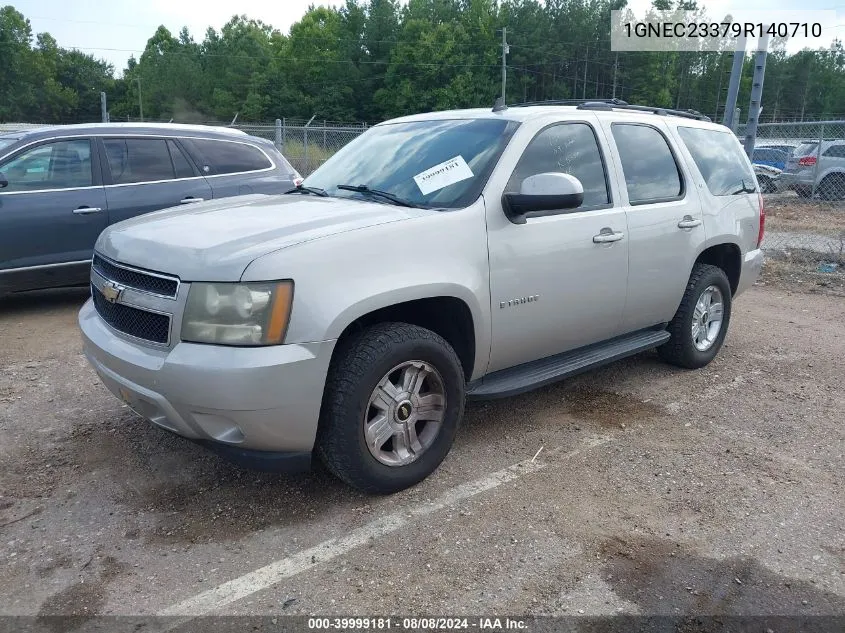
(145,174)
(665,223)
(51,213)
(235,168)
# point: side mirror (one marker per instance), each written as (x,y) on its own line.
(550,191)
(3,181)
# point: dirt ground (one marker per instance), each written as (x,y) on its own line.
(657,491)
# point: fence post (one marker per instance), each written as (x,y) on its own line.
(279,134)
(305,144)
(324,134)
(818,160)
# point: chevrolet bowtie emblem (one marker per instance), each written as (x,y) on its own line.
(111,291)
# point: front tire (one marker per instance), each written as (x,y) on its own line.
(699,327)
(393,401)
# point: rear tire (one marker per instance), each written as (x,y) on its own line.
(695,336)
(385,386)
(832,187)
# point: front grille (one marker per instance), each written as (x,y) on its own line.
(136,279)
(132,321)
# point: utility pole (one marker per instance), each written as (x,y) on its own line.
(755,106)
(104,111)
(140,102)
(733,84)
(505,51)
(615,68)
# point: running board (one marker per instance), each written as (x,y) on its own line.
(528,376)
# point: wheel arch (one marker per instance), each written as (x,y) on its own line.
(448,314)
(724,255)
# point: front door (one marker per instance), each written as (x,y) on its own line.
(51,212)
(148,174)
(558,281)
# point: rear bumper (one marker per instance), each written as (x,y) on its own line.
(252,405)
(751,266)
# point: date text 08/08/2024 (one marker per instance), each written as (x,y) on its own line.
(417,623)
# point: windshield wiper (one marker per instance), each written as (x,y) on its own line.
(312,190)
(744,189)
(381,194)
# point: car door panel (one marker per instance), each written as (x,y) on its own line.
(143,177)
(48,229)
(664,221)
(553,288)
(555,283)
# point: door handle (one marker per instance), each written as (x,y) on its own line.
(689,222)
(190,199)
(604,238)
(86,210)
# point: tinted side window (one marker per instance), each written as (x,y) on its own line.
(58,165)
(651,173)
(835,151)
(138,160)
(226,157)
(180,161)
(569,148)
(720,160)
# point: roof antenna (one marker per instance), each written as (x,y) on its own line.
(499,105)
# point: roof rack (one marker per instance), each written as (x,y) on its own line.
(618,104)
(570,102)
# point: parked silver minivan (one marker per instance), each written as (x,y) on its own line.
(61,186)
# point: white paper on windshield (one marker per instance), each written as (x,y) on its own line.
(442,175)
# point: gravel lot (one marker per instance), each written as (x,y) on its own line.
(658,490)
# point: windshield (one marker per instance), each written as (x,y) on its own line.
(5,141)
(426,163)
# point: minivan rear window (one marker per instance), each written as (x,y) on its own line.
(226,157)
(805,148)
(720,160)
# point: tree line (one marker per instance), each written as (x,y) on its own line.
(369,60)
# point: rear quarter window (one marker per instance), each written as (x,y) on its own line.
(227,157)
(805,148)
(719,158)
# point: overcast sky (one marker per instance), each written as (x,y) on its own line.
(115,29)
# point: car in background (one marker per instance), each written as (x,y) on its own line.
(814,170)
(768,178)
(771,156)
(61,186)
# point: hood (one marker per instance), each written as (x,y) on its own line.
(216,240)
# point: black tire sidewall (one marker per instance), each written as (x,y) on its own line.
(381,478)
(712,277)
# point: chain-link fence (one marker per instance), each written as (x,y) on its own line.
(801,170)
(305,144)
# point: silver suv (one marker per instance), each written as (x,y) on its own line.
(440,256)
(816,170)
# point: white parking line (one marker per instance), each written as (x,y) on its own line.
(267,576)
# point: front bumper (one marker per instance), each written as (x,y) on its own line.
(246,403)
(751,266)
(791,180)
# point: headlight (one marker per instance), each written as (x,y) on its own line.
(238,314)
